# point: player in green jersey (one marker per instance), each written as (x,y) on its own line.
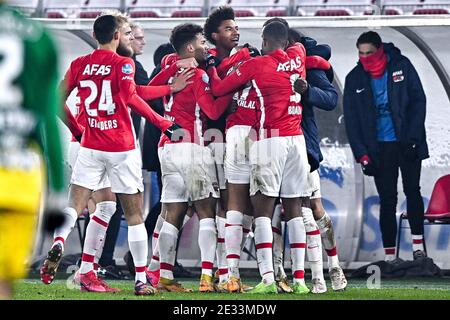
(29,134)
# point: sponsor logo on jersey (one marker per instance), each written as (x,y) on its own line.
(127,78)
(290,65)
(97,69)
(127,68)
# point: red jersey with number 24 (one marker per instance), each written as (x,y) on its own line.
(107,91)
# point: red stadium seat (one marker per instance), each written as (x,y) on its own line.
(89,14)
(438,211)
(55,15)
(276,13)
(187,14)
(143,14)
(431,11)
(392,12)
(243,13)
(439,206)
(332,12)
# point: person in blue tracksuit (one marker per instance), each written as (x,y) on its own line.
(384,112)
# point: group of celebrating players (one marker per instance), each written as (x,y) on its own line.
(232,150)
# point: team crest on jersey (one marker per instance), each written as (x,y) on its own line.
(205,78)
(127,68)
(398,76)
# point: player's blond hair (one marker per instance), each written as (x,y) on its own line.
(134,25)
(122,18)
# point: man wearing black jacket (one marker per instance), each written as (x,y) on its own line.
(384,109)
(140,76)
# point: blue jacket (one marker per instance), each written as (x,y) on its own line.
(314,49)
(321,94)
(406,100)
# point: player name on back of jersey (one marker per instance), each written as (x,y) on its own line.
(97,70)
(246,104)
(102,125)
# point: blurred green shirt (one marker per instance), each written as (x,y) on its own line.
(29,98)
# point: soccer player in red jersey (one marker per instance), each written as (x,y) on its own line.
(279,161)
(102,204)
(318,224)
(233,225)
(107,90)
(187,166)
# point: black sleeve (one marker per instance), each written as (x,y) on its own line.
(152,134)
(157,104)
(416,109)
(321,93)
(155,72)
(352,124)
(140,76)
(322,50)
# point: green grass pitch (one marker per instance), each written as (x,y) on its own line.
(403,289)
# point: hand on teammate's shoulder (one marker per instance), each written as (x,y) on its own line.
(181,80)
(212,61)
(252,50)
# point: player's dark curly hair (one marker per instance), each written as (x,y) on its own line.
(369,37)
(276,19)
(214,20)
(293,34)
(276,32)
(104,28)
(161,51)
(183,34)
